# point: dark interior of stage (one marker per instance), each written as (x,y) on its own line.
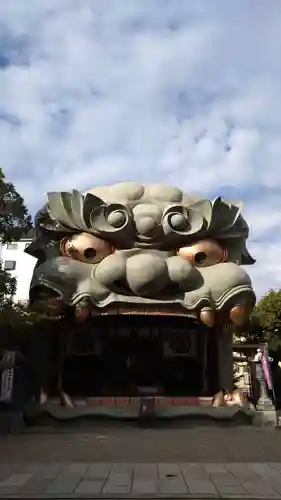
(131,355)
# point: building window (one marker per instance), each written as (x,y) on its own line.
(12,246)
(10,265)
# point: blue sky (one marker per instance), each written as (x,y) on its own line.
(184,92)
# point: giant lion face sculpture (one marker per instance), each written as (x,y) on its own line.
(147,244)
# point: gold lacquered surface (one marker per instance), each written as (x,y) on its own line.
(77,246)
(213,251)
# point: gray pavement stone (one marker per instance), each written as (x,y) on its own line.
(123,468)
(169,471)
(119,480)
(268,474)
(43,476)
(191,471)
(241,472)
(260,488)
(13,483)
(235,491)
(5,491)
(203,488)
(67,481)
(117,486)
(15,480)
(5,472)
(276,466)
(175,486)
(224,480)
(98,471)
(145,479)
(36,486)
(88,487)
(265,471)
(276,487)
(50,471)
(64,484)
(146,470)
(171,480)
(144,487)
(221,480)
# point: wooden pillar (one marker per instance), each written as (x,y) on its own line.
(225,359)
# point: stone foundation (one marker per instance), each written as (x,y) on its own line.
(161,409)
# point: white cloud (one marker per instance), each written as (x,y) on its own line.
(181,92)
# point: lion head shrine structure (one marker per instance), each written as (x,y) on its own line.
(148,281)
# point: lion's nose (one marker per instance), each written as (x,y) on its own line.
(147,274)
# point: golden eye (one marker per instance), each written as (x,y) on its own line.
(204,253)
(85,248)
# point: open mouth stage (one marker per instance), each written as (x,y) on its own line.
(142,364)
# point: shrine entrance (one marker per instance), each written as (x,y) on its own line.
(133,355)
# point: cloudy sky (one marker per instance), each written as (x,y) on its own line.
(184,92)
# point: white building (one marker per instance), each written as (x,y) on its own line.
(19,264)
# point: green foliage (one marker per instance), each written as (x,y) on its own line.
(15,323)
(249,333)
(14,218)
(19,324)
(7,287)
(264,324)
(14,223)
(267,314)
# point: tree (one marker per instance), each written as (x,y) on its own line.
(268,314)
(251,332)
(14,223)
(14,218)
(8,286)
(24,329)
(264,325)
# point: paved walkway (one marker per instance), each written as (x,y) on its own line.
(111,461)
(149,480)
(128,443)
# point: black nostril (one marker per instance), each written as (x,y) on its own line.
(122,286)
(118,283)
